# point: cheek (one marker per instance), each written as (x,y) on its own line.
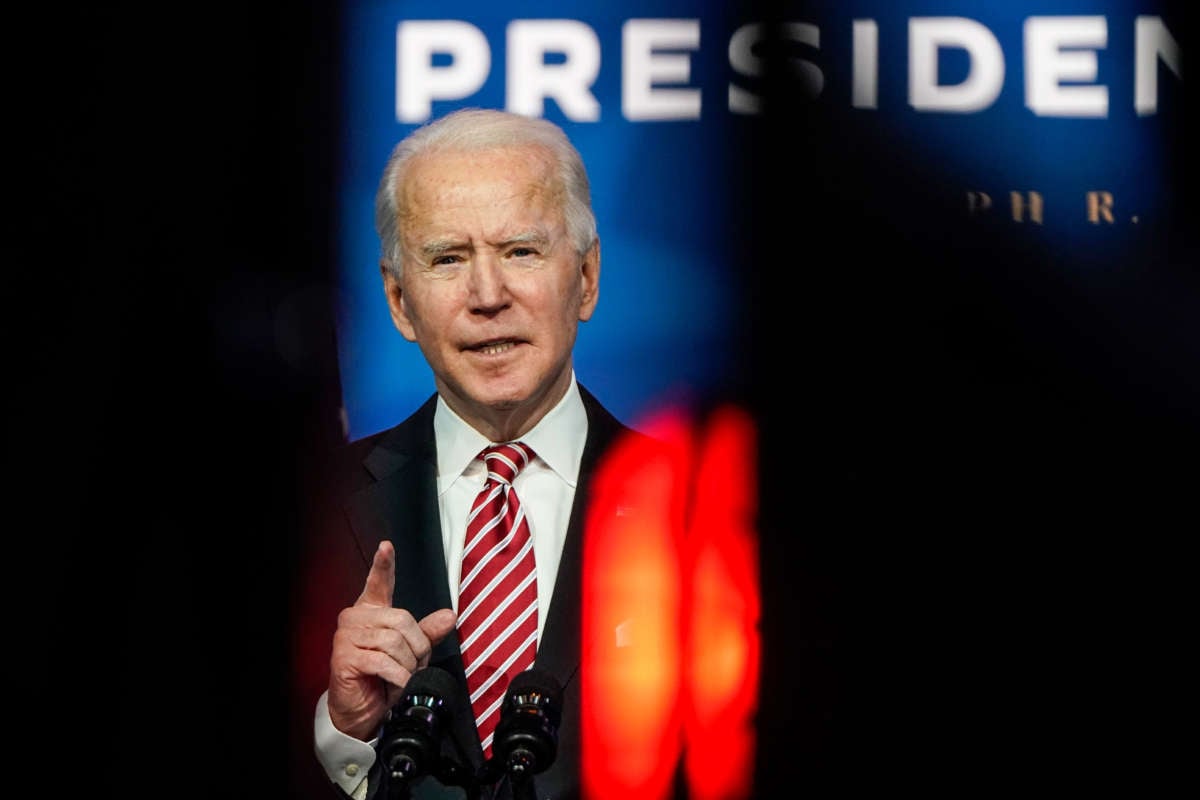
(568,293)
(426,309)
(561,306)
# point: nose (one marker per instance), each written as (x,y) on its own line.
(486,283)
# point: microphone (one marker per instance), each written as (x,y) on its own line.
(410,742)
(526,738)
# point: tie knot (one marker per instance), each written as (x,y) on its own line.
(504,461)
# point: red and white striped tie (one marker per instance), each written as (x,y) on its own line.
(497,596)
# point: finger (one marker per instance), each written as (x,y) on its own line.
(370,616)
(436,627)
(395,632)
(395,674)
(373,664)
(390,642)
(381,580)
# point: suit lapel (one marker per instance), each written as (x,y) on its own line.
(559,652)
(402,506)
(560,649)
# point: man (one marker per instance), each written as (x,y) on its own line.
(490,260)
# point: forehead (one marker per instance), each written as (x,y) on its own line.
(506,181)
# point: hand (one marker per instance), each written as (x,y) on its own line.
(376,649)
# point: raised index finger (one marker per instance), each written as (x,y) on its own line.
(381,580)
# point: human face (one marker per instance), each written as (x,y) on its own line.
(493,289)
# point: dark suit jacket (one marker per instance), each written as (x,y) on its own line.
(391,494)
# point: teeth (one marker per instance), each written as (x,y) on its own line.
(496,349)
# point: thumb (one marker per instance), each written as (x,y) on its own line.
(437,626)
(381,580)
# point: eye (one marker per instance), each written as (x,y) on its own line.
(522,252)
(445,260)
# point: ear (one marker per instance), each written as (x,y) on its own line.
(396,303)
(589,277)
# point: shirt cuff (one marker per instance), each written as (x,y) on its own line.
(346,760)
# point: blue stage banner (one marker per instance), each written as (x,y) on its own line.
(1047,116)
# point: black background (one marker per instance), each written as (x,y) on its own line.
(977,479)
(980,483)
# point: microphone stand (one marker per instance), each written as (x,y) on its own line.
(447,772)
(520,773)
(519,767)
(451,773)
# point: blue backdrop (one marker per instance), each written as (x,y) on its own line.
(1052,119)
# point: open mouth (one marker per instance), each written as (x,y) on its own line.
(493,348)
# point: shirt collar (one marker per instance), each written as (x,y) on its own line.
(557,439)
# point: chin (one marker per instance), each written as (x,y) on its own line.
(502,396)
(507,390)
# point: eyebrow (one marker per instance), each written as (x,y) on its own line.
(527,237)
(438,247)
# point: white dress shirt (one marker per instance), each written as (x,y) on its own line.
(546,487)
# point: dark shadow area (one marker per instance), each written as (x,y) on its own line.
(170,371)
(978,473)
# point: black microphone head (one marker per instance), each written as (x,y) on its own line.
(412,732)
(536,686)
(526,737)
(430,682)
(538,679)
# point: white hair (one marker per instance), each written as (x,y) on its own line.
(483,129)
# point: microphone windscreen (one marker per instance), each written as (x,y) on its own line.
(536,679)
(433,681)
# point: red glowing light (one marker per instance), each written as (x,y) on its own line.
(722,643)
(670,614)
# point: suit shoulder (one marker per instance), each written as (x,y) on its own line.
(360,462)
